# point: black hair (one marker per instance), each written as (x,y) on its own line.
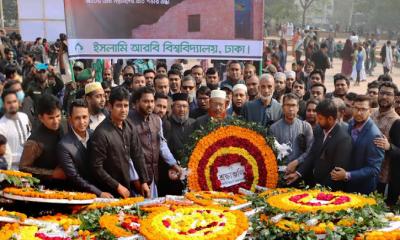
(138,75)
(9,70)
(319,85)
(118,94)
(289,96)
(160,96)
(105,84)
(211,71)
(301,82)
(390,85)
(159,76)
(6,93)
(196,66)
(47,104)
(7,50)
(324,45)
(362,98)
(385,78)
(351,96)
(340,76)
(162,65)
(129,66)
(312,101)
(319,72)
(373,84)
(187,72)
(78,103)
(327,108)
(10,83)
(204,90)
(149,71)
(3,140)
(234,62)
(177,66)
(300,62)
(140,92)
(174,71)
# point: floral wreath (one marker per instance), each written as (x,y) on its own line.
(303,214)
(120,225)
(16,215)
(316,200)
(194,223)
(209,198)
(49,194)
(242,149)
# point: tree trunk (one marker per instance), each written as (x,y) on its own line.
(304,17)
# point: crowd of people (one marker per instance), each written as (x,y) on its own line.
(117,130)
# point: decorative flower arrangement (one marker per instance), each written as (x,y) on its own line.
(304,214)
(63,220)
(8,230)
(231,156)
(316,200)
(18,179)
(380,235)
(49,194)
(16,215)
(120,225)
(209,198)
(119,203)
(194,223)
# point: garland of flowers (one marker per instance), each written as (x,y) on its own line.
(209,198)
(47,194)
(18,179)
(19,216)
(194,223)
(291,214)
(223,144)
(125,228)
(8,230)
(119,203)
(299,201)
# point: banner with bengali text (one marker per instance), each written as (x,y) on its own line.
(223,29)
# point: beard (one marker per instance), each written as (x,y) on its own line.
(265,99)
(237,110)
(213,86)
(180,119)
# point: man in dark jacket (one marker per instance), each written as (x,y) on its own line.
(149,129)
(321,59)
(72,150)
(39,154)
(115,147)
(331,150)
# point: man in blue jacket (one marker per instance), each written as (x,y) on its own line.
(362,176)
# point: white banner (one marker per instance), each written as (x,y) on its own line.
(165,48)
(231,175)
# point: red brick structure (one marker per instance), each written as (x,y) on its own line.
(208,19)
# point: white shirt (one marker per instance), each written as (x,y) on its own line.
(82,140)
(95,120)
(17,132)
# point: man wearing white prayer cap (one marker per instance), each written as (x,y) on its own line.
(290,78)
(239,98)
(217,110)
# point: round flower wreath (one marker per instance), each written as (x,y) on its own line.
(316,200)
(124,226)
(209,198)
(194,223)
(227,145)
(16,215)
(47,194)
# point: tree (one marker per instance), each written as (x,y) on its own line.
(280,11)
(305,5)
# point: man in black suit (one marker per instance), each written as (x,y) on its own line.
(331,149)
(72,150)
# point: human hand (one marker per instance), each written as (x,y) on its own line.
(338,174)
(382,142)
(145,190)
(292,166)
(291,178)
(106,195)
(58,173)
(123,191)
